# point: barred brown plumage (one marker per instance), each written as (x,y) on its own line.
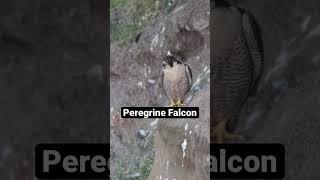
(236,65)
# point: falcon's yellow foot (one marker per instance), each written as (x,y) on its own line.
(172,103)
(220,133)
(177,103)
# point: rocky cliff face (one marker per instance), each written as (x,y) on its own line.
(182,145)
(135,82)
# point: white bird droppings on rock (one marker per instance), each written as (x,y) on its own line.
(154,123)
(205,69)
(142,133)
(188,99)
(163,29)
(184,147)
(139,84)
(178,9)
(151,81)
(154,42)
(135,175)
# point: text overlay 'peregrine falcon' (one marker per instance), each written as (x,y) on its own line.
(160,112)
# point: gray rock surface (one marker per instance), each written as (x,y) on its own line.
(182,145)
(135,82)
(294,122)
(52,56)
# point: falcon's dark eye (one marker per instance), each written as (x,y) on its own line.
(168,61)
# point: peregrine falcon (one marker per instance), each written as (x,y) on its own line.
(236,66)
(176,79)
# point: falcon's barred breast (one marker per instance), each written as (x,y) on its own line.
(236,64)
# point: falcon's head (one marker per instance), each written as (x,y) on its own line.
(170,61)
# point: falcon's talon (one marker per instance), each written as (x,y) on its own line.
(172,103)
(177,103)
(221,133)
